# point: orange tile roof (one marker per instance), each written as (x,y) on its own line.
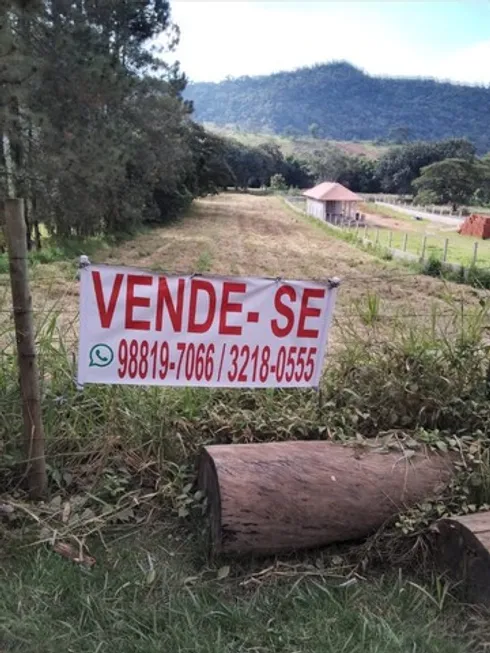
(331,191)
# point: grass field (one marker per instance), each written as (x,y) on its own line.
(48,605)
(126,455)
(460,249)
(302,145)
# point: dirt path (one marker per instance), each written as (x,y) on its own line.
(244,234)
(449,221)
(241,234)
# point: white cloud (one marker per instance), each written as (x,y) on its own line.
(220,39)
(469,64)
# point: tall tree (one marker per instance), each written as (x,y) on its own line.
(92,138)
(452,181)
(398,168)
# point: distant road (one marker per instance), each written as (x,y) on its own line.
(450,220)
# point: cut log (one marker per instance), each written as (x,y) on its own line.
(280,496)
(462,551)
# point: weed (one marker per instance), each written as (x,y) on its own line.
(433,266)
(204,262)
(4,264)
(478,277)
(369,308)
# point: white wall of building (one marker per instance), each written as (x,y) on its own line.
(332,209)
(315,208)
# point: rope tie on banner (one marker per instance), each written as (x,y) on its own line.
(83,262)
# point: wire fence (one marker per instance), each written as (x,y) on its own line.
(367,300)
(366,297)
(405,202)
(418,244)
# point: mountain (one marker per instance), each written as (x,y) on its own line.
(337,101)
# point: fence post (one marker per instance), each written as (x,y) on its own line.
(15,234)
(444,254)
(475,253)
(405,238)
(424,243)
(390,241)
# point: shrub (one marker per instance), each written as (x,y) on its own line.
(278,182)
(433,266)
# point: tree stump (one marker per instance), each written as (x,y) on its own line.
(280,496)
(462,551)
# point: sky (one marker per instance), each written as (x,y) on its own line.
(445,39)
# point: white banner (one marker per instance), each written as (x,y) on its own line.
(148,329)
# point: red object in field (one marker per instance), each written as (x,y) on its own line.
(477,226)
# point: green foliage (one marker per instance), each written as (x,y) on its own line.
(151,592)
(314,129)
(400,166)
(433,266)
(343,103)
(252,166)
(369,308)
(96,135)
(451,181)
(355,172)
(278,182)
(425,197)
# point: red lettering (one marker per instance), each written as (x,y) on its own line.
(309,311)
(205,286)
(165,298)
(106,314)
(285,311)
(133,302)
(230,307)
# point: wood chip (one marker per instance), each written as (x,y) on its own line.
(75,555)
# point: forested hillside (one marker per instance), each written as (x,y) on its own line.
(339,102)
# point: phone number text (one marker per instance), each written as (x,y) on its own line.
(144,360)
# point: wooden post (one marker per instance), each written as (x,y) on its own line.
(405,238)
(390,241)
(377,238)
(424,244)
(15,233)
(475,253)
(444,254)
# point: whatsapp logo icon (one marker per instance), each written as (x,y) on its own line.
(101,355)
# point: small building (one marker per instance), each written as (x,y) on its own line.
(330,201)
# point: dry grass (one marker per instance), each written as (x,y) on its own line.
(242,234)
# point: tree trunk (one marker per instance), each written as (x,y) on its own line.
(266,498)
(462,551)
(27,218)
(37,236)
